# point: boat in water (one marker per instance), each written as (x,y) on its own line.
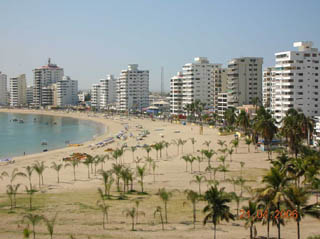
(44,143)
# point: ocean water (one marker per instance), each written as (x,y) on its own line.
(18,138)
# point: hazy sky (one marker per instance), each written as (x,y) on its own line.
(92,38)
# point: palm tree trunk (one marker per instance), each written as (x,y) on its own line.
(298,228)
(251,230)
(215,230)
(34,232)
(103,220)
(268,227)
(194,215)
(278,223)
(165,212)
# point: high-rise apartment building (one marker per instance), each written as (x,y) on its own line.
(244,80)
(44,77)
(297,81)
(133,89)
(3,89)
(220,84)
(268,79)
(194,83)
(176,94)
(108,91)
(95,96)
(29,95)
(18,91)
(67,92)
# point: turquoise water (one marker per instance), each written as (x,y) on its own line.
(18,138)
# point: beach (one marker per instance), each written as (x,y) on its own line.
(75,201)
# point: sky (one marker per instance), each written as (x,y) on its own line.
(91,39)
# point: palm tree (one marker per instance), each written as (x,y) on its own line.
(106,178)
(154,166)
(141,173)
(182,143)
(34,219)
(241,167)
(132,213)
(252,210)
(50,224)
(137,202)
(275,185)
(103,207)
(175,142)
(133,149)
(235,143)
(186,158)
(14,174)
(237,199)
(57,168)
(28,174)
(30,192)
(248,142)
(230,116)
(193,197)
(199,159)
(12,192)
(209,154)
(207,143)
(217,209)
(165,197)
(88,161)
(159,211)
(243,121)
(296,200)
(224,169)
(39,167)
(221,143)
(198,179)
(166,145)
(147,148)
(193,141)
(230,152)
(117,168)
(74,163)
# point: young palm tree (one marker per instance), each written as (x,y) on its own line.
(30,192)
(248,142)
(207,143)
(193,197)
(132,213)
(14,174)
(34,219)
(28,174)
(117,168)
(149,160)
(251,209)
(159,211)
(106,177)
(235,143)
(57,168)
(221,143)
(166,145)
(198,179)
(199,159)
(230,152)
(193,141)
(12,192)
(50,224)
(148,150)
(74,164)
(39,167)
(103,207)
(141,171)
(224,169)
(209,154)
(165,197)
(186,158)
(175,142)
(243,121)
(217,209)
(154,166)
(182,143)
(237,199)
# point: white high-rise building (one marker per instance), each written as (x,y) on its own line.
(18,91)
(268,79)
(133,89)
(222,104)
(44,77)
(176,94)
(29,95)
(67,92)
(244,80)
(220,83)
(194,83)
(297,81)
(95,96)
(3,89)
(108,91)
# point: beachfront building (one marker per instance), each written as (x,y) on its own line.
(67,92)
(133,89)
(244,80)
(18,91)
(43,78)
(49,96)
(176,85)
(29,95)
(220,83)
(3,89)
(95,96)
(222,104)
(195,82)
(297,81)
(267,82)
